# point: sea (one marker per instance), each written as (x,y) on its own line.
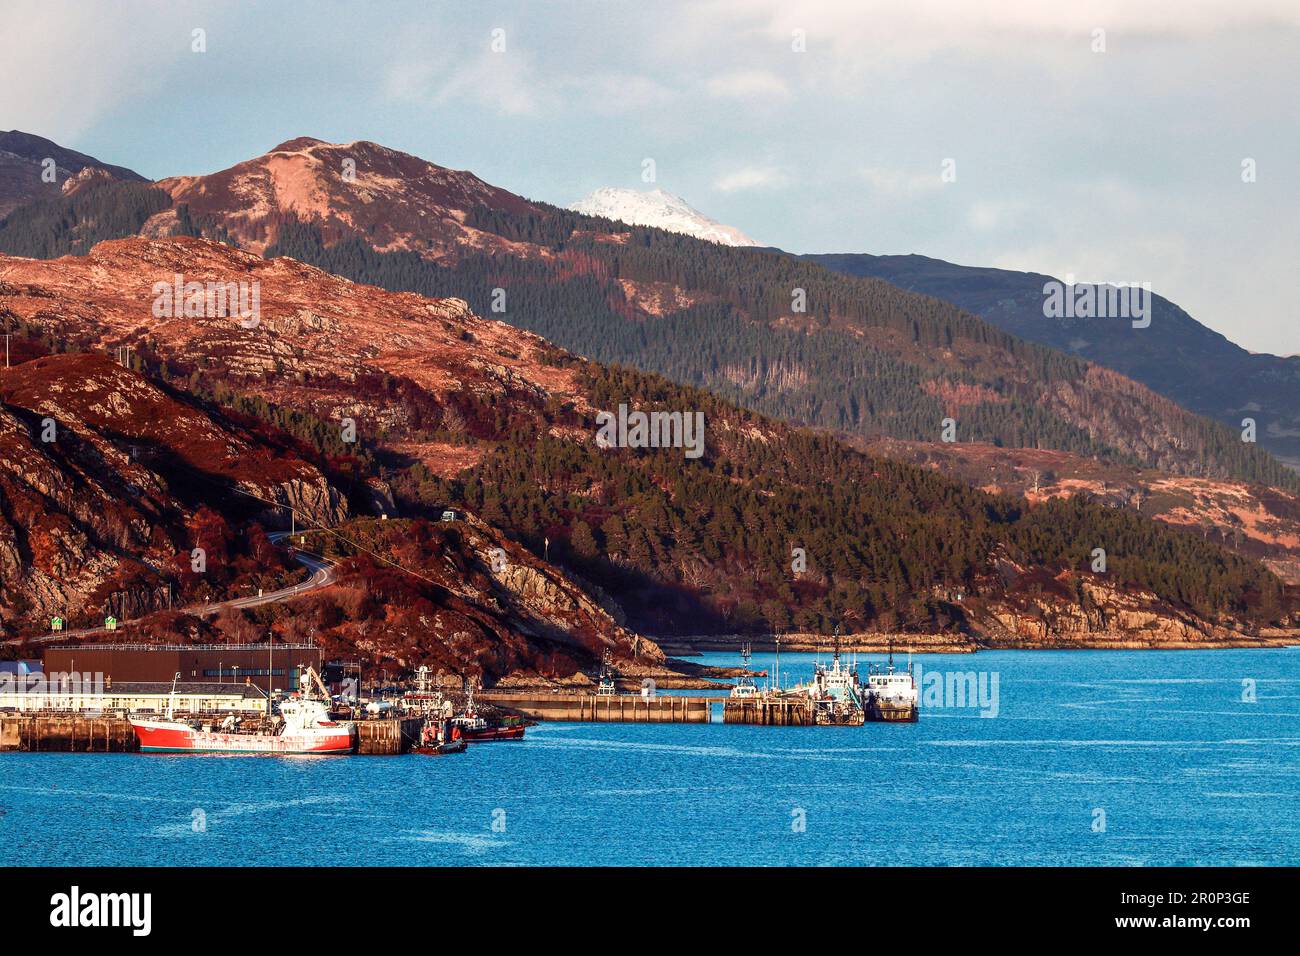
(1040,758)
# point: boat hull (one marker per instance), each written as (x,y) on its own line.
(440,750)
(162,736)
(491,734)
(889,713)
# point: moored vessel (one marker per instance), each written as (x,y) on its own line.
(439,738)
(304,727)
(745,687)
(891,696)
(476,729)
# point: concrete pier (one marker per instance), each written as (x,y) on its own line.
(771,713)
(67,733)
(388,737)
(620,708)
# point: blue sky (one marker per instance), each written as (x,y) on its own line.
(1122,165)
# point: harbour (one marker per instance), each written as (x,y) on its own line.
(1121,758)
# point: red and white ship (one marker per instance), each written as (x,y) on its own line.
(305,728)
(480,730)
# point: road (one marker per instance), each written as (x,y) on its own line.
(322,575)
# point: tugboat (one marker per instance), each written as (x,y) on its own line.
(891,696)
(305,727)
(745,687)
(478,730)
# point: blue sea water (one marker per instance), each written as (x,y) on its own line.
(1093,758)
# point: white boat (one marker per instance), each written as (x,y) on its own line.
(745,687)
(891,695)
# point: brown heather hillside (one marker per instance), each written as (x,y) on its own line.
(451,408)
(399,201)
(99,519)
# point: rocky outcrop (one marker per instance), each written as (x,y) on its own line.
(101,473)
(312,498)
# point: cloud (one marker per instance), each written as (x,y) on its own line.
(897,183)
(510,84)
(752,177)
(63,66)
(748,84)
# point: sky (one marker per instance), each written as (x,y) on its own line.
(1112,156)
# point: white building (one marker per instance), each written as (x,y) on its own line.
(133,697)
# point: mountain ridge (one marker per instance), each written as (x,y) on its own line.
(1199,368)
(862,357)
(22,159)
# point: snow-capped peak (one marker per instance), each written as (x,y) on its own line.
(659,209)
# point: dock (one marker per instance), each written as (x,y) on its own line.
(388,737)
(67,733)
(767,711)
(613,708)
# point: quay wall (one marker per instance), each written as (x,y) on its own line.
(621,708)
(67,733)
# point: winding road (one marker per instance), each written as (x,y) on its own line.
(322,576)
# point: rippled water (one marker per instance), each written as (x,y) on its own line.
(1159,747)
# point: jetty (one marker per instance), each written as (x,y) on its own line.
(605,708)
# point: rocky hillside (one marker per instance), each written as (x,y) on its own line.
(417,404)
(107,482)
(466,600)
(102,518)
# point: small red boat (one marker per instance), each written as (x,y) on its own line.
(479,730)
(440,739)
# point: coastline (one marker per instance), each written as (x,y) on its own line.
(962,644)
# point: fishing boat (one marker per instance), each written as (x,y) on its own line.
(834,693)
(745,687)
(891,696)
(476,729)
(606,687)
(304,727)
(439,738)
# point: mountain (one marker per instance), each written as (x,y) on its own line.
(654,207)
(409,405)
(22,156)
(779,335)
(397,201)
(782,336)
(1175,356)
